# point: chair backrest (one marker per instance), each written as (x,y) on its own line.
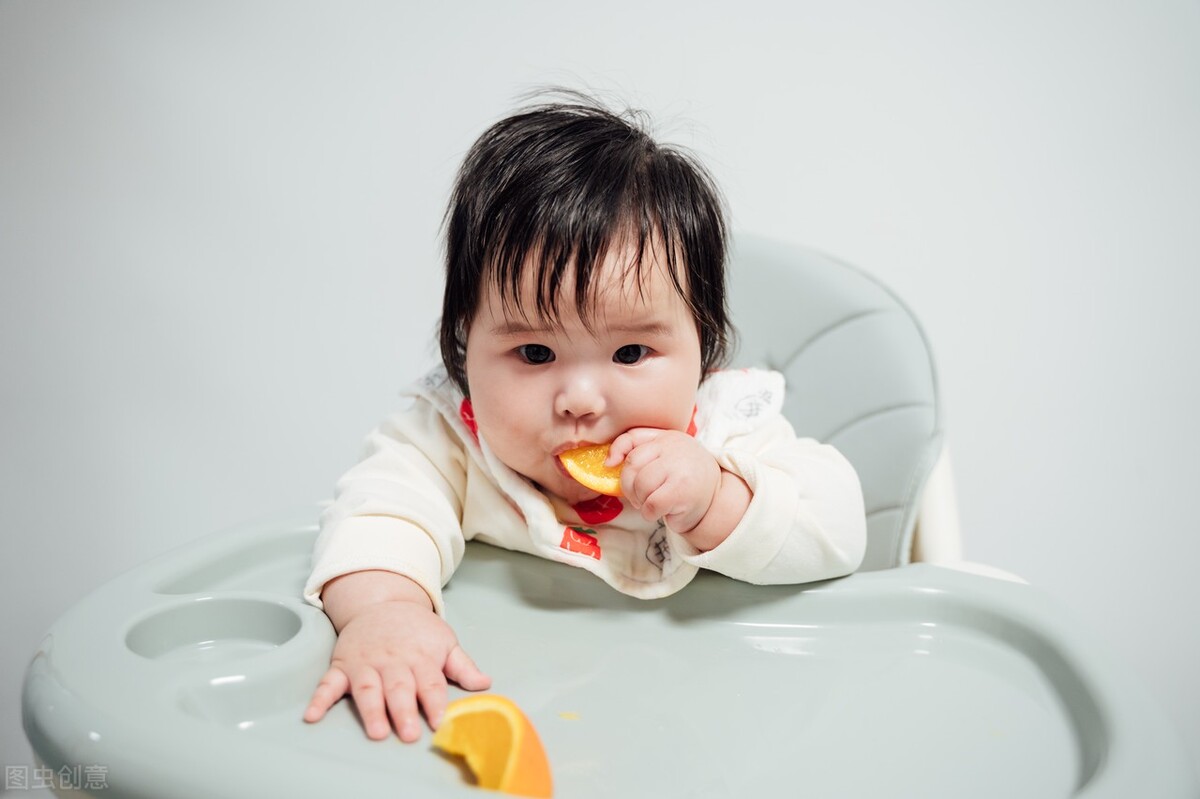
(860,374)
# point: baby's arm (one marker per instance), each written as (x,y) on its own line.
(398,512)
(669,475)
(770,508)
(392,653)
(805,520)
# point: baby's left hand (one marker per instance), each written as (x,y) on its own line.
(667,475)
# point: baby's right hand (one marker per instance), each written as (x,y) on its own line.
(391,656)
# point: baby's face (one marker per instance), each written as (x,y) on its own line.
(538,389)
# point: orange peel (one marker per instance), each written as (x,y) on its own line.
(498,743)
(586,467)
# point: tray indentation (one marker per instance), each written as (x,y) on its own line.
(213,630)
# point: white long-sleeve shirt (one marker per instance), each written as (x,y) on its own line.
(428,484)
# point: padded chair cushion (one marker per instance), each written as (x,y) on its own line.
(859,371)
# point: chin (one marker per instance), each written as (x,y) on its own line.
(573,493)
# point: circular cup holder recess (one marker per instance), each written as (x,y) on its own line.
(213,630)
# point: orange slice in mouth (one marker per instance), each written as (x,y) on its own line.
(498,743)
(586,466)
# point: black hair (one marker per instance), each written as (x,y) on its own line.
(560,183)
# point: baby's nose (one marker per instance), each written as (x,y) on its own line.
(580,395)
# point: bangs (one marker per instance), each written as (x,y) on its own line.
(550,262)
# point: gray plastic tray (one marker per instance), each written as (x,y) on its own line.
(187,677)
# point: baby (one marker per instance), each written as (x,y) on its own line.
(584,303)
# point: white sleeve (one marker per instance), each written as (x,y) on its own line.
(399,509)
(806,520)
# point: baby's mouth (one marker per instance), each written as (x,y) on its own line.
(558,464)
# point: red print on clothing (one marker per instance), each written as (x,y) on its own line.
(691,428)
(467,412)
(575,540)
(599,510)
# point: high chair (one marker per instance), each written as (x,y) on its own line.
(188,677)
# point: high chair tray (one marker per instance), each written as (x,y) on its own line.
(187,677)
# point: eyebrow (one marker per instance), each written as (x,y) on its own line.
(512,327)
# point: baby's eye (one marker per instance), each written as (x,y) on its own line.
(631,354)
(535,354)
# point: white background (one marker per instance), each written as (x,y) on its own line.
(218,243)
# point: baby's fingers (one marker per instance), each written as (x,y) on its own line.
(431,694)
(331,688)
(663,502)
(400,690)
(462,670)
(641,481)
(432,688)
(625,443)
(367,691)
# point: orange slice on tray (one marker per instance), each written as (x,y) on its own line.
(586,465)
(498,743)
